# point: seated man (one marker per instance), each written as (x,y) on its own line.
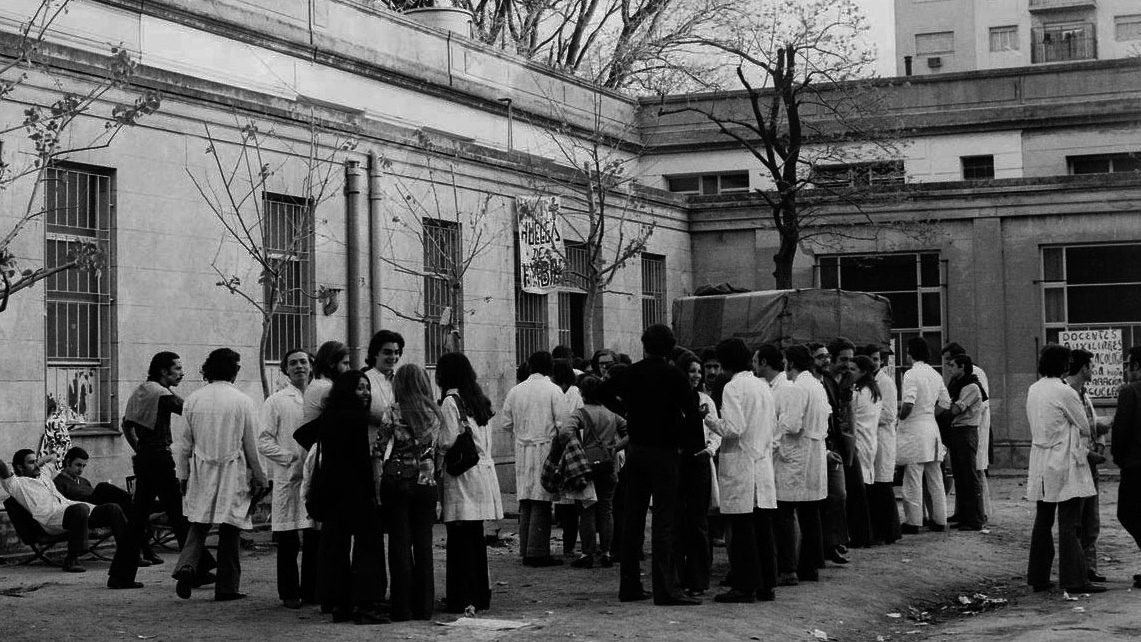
(32,488)
(74,486)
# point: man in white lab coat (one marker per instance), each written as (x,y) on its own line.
(219,472)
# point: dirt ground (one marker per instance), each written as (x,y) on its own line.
(932,586)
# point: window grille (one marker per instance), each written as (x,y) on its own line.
(287,229)
(653,289)
(443,287)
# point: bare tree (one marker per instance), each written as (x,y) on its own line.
(49,132)
(610,227)
(236,189)
(808,104)
(453,232)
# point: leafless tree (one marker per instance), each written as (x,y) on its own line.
(49,134)
(808,103)
(608,225)
(242,172)
(452,230)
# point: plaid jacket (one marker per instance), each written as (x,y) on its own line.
(567,467)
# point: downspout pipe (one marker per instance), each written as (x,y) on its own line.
(376,242)
(356,247)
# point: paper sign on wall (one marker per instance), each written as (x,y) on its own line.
(541,259)
(1106,366)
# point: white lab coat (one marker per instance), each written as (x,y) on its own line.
(886,430)
(917,441)
(474,495)
(748,423)
(867,414)
(800,461)
(712,445)
(1059,434)
(982,457)
(280,416)
(533,412)
(219,455)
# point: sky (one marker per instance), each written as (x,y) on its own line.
(881,19)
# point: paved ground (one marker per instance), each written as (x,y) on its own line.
(922,581)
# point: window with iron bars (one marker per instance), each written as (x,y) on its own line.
(653,289)
(79,206)
(863,174)
(572,297)
(287,232)
(443,287)
(531,329)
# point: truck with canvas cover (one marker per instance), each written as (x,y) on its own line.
(783,317)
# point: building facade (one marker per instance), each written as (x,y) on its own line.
(947,36)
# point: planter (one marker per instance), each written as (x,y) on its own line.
(443,18)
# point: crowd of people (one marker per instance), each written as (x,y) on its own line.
(785,456)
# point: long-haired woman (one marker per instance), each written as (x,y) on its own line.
(346,492)
(408,492)
(473,496)
(697,479)
(331,360)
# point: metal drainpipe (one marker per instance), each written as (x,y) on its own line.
(357,239)
(375,240)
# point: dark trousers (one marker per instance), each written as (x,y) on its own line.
(596,522)
(534,528)
(1129,502)
(467,581)
(1071,562)
(566,515)
(292,585)
(968,485)
(833,509)
(802,555)
(410,512)
(349,555)
(884,513)
(79,519)
(650,472)
(752,552)
(108,493)
(692,551)
(229,565)
(856,512)
(1091,522)
(154,477)
(618,508)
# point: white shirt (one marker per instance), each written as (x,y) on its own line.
(917,441)
(41,498)
(1059,434)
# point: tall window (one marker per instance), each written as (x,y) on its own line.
(79,206)
(572,298)
(913,284)
(1087,287)
(443,289)
(1004,38)
(287,227)
(653,289)
(530,319)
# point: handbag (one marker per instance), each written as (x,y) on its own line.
(600,457)
(463,455)
(313,504)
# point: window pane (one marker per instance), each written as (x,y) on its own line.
(1104,304)
(904,309)
(1089,165)
(1055,302)
(1004,39)
(932,309)
(682,183)
(976,168)
(929,269)
(731,182)
(1052,264)
(1103,264)
(1127,27)
(829,273)
(709,185)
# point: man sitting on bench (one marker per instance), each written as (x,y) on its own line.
(34,491)
(74,486)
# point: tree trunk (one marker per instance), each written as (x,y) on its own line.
(789,230)
(265,325)
(592,337)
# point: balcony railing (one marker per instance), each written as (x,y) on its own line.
(1063,45)
(1050,5)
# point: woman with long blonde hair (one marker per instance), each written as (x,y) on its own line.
(408,492)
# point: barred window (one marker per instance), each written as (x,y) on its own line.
(653,289)
(443,288)
(287,229)
(78,210)
(530,319)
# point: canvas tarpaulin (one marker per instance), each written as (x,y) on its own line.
(782,316)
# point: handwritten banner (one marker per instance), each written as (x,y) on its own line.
(541,259)
(1106,366)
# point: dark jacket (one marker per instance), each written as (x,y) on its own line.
(1126,441)
(347,481)
(660,407)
